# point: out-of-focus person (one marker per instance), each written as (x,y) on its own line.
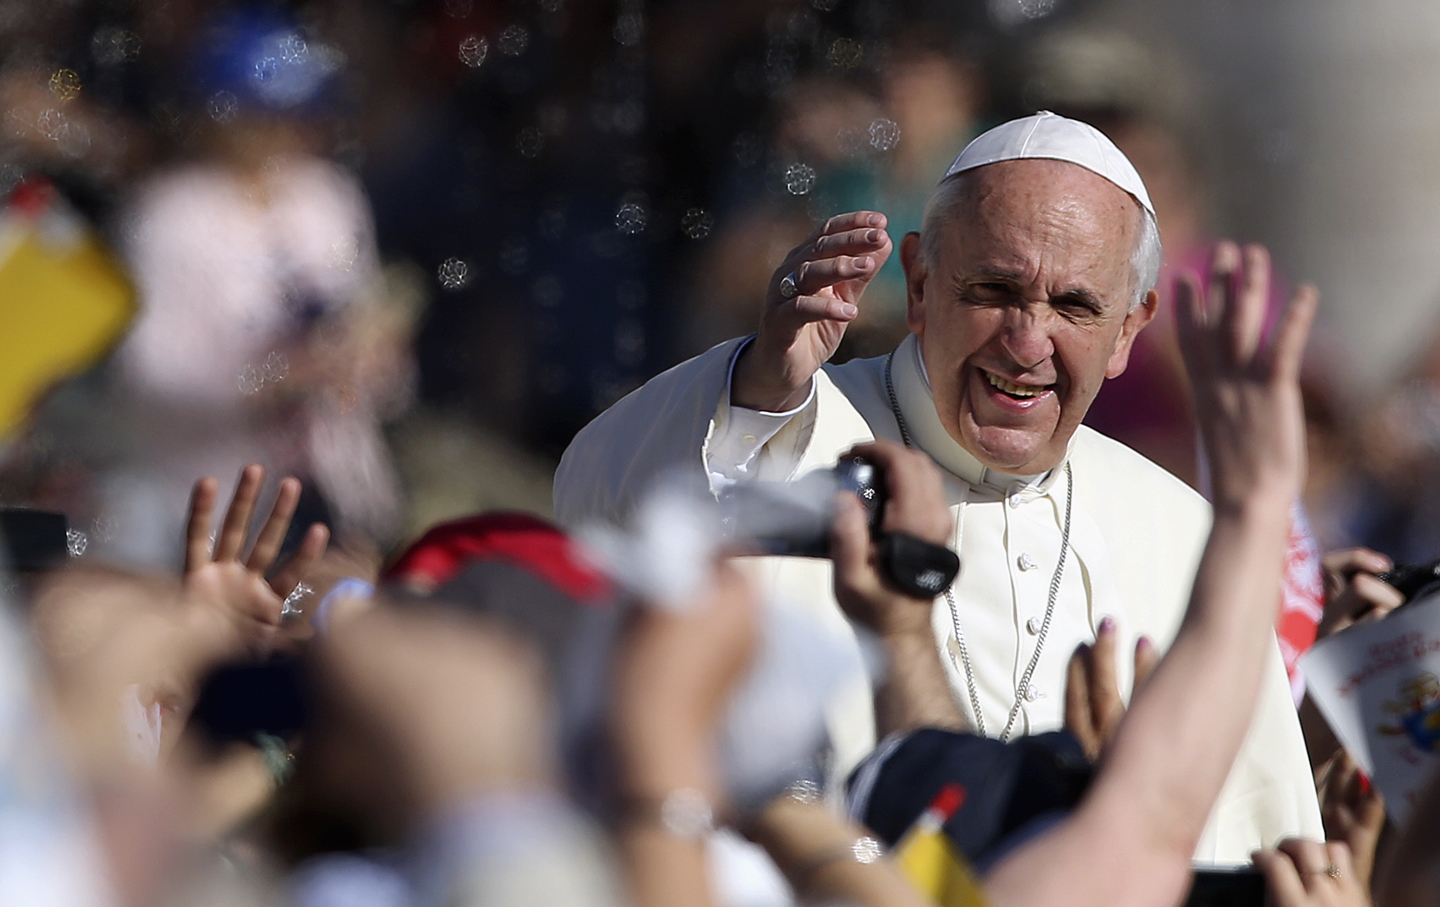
(263,335)
(1057,525)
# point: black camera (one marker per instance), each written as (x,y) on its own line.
(794,518)
(1414,580)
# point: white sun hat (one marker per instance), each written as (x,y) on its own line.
(1052,137)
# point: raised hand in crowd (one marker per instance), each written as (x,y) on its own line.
(249,590)
(1352,811)
(1302,873)
(1354,591)
(1131,839)
(1093,706)
(915,692)
(813,295)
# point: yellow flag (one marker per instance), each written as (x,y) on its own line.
(64,300)
(928,858)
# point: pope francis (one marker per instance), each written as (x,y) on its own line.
(1032,274)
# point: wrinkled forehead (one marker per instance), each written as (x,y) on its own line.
(1043,200)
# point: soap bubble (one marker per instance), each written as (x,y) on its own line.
(76,542)
(474,50)
(530,142)
(65,84)
(103,528)
(697,223)
(513,40)
(884,134)
(111,46)
(223,106)
(276,367)
(454,273)
(631,218)
(799,179)
(250,380)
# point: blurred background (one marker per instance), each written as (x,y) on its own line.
(406,248)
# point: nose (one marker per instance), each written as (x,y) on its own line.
(1026,336)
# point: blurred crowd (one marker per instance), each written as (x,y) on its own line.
(403,250)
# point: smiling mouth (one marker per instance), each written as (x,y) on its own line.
(1018,391)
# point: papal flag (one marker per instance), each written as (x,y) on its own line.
(64,299)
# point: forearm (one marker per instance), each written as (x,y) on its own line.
(915,693)
(664,868)
(816,850)
(1131,840)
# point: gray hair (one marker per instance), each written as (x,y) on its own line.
(1144,262)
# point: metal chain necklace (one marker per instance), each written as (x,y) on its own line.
(1023,689)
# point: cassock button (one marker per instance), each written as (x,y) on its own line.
(749,439)
(1031,695)
(1033,626)
(1025,562)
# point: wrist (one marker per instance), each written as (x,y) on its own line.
(754,386)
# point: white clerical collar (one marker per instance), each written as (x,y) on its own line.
(912,394)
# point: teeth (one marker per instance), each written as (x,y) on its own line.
(1013,389)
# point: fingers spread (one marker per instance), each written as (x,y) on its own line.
(813,276)
(1288,351)
(312,548)
(821,308)
(1189,317)
(851,242)
(1254,296)
(237,519)
(1147,656)
(1220,294)
(272,534)
(197,532)
(1104,687)
(1078,718)
(853,220)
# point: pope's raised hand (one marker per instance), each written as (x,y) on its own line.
(813,295)
(1246,387)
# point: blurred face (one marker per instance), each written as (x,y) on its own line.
(1025,311)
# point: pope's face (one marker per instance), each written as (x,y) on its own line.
(1026,309)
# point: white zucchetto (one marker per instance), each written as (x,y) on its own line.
(1052,137)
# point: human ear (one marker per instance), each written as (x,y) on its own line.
(914,264)
(1135,321)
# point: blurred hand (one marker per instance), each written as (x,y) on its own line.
(915,504)
(1093,707)
(240,590)
(797,335)
(674,672)
(1302,873)
(1247,393)
(1352,812)
(1353,592)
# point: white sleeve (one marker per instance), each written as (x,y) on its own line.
(740,434)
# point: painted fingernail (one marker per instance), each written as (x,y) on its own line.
(1144,644)
(1107,624)
(848,310)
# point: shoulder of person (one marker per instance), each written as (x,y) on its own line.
(661,423)
(1119,478)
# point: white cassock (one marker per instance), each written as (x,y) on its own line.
(1136,535)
